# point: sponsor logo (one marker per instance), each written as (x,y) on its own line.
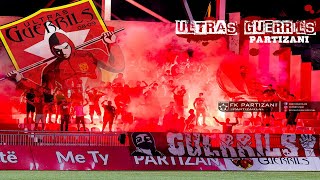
(80,158)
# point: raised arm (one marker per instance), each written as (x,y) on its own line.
(282,98)
(145,84)
(237,122)
(86,103)
(174,90)
(114,60)
(102,103)
(87,89)
(217,120)
(194,103)
(21,82)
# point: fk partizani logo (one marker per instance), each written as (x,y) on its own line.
(223,106)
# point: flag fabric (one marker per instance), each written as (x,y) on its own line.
(27,40)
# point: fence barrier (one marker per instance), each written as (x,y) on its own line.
(49,138)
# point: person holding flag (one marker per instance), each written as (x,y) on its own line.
(72,64)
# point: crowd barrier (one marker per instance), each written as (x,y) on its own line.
(49,138)
(96,151)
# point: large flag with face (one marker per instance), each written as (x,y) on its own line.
(37,44)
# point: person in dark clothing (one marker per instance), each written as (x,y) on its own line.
(94,97)
(65,114)
(121,100)
(178,96)
(30,104)
(109,115)
(40,109)
(201,108)
(49,103)
(270,91)
(266,113)
(226,126)
(169,113)
(138,90)
(189,123)
(291,116)
(127,118)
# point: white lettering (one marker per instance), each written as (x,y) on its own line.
(80,158)
(207,146)
(137,159)
(173,161)
(269,152)
(162,160)
(252,39)
(288,141)
(188,163)
(12,158)
(171,138)
(226,141)
(94,155)
(244,145)
(259,146)
(196,150)
(150,159)
(104,159)
(181,161)
(201,160)
(65,159)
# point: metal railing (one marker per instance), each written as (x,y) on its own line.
(53,138)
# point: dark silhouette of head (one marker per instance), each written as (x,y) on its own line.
(120,75)
(143,140)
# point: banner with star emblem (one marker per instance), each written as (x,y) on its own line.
(38,44)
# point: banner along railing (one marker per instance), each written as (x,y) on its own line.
(49,138)
(76,138)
